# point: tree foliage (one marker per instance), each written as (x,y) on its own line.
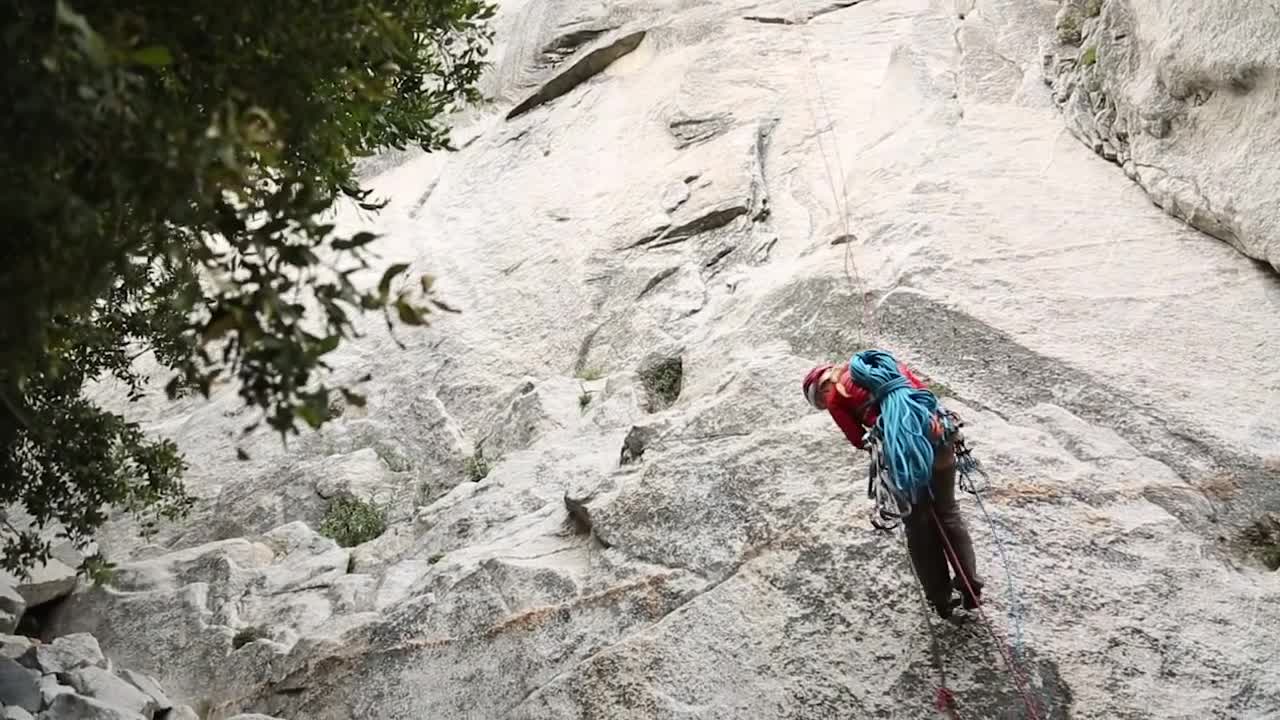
(167,171)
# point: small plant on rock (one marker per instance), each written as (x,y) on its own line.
(663,381)
(1089,57)
(1069,27)
(352,521)
(939,389)
(1262,539)
(1092,8)
(476,466)
(584,398)
(590,374)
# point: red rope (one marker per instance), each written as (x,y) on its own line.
(946,702)
(1013,670)
(943,699)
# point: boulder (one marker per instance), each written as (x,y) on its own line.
(46,583)
(12,604)
(50,688)
(69,706)
(16,713)
(106,687)
(148,686)
(65,654)
(361,474)
(15,646)
(19,686)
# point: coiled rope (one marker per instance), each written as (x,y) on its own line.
(906,423)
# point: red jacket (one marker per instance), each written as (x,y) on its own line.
(853,408)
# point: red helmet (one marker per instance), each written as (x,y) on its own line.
(813,381)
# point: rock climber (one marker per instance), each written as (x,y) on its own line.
(875,390)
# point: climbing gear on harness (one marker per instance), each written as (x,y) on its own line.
(906,418)
(813,383)
(973,478)
(890,506)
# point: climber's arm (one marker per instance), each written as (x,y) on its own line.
(853,430)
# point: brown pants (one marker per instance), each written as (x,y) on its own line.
(927,548)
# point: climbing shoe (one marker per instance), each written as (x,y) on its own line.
(970,601)
(944,611)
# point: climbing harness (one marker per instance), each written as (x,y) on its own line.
(890,504)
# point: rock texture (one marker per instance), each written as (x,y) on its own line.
(71,679)
(606,497)
(44,584)
(11,606)
(1182,94)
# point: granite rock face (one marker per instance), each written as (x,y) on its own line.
(605,495)
(1182,95)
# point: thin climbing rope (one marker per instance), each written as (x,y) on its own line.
(902,457)
(1015,604)
(1019,678)
(840,199)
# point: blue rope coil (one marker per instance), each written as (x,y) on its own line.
(906,414)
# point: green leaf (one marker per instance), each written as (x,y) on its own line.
(358,240)
(88,39)
(410,315)
(218,326)
(152,56)
(311,415)
(328,344)
(298,256)
(384,285)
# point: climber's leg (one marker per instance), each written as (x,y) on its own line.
(928,558)
(948,515)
